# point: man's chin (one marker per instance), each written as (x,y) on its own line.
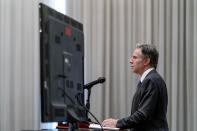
(134,71)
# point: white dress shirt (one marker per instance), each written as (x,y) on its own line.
(145,74)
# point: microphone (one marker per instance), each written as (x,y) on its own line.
(99,80)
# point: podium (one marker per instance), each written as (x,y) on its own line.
(81,126)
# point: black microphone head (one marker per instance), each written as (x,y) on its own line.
(101,79)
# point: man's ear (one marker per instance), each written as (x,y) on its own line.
(146,61)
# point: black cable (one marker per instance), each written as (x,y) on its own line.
(89,112)
(65,94)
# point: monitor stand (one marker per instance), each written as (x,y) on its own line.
(73,126)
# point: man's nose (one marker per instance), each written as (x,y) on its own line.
(131,60)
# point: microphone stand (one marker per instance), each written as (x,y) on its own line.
(88,103)
(88,87)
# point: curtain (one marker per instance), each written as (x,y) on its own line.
(113,27)
(19,65)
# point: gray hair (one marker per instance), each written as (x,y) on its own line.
(149,51)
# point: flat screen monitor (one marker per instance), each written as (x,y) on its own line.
(62,67)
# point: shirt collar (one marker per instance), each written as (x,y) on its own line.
(145,74)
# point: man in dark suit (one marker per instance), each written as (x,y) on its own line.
(149,106)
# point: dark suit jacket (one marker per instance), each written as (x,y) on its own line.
(149,106)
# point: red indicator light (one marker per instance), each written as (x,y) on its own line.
(68,31)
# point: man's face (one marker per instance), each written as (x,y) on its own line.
(137,63)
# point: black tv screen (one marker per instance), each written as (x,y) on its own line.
(62,67)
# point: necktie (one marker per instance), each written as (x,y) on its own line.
(139,84)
